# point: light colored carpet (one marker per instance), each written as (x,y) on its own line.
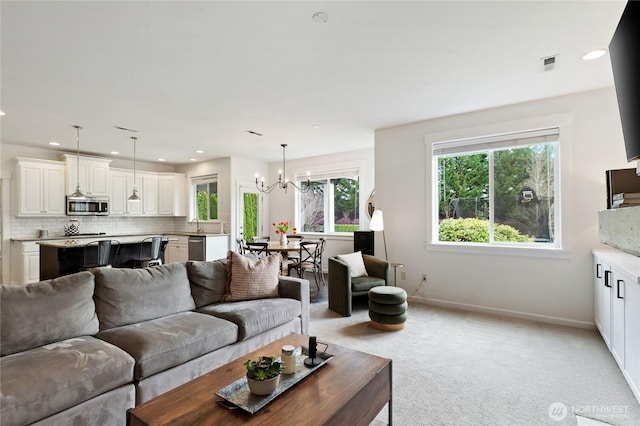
(461,368)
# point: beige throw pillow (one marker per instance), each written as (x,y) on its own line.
(356,264)
(251,278)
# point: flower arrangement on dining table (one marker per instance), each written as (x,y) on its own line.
(282,228)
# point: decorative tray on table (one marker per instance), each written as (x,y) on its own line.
(238,394)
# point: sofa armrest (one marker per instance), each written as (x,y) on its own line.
(297,288)
(339,282)
(377,267)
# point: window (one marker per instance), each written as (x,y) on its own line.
(205,191)
(499,190)
(332,204)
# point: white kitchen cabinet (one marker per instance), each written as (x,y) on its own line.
(172,194)
(39,188)
(92,174)
(617,309)
(149,194)
(177,249)
(120,188)
(25,266)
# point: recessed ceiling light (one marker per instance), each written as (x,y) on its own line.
(54,143)
(161,159)
(199,151)
(315,126)
(594,54)
(115,152)
(1,112)
(193,159)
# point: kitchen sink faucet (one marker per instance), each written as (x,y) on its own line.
(198,229)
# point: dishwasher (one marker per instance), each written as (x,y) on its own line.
(197,248)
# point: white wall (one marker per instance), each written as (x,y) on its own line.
(555,289)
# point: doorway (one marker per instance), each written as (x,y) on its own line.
(250,210)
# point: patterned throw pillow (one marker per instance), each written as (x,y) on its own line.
(251,278)
(356,264)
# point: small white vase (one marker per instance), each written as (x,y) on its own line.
(263,387)
(283,239)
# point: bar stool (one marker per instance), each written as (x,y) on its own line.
(158,245)
(98,253)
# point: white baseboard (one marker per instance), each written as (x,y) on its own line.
(504,312)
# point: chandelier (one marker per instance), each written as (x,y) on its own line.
(283,182)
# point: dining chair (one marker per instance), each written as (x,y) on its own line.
(259,249)
(157,246)
(317,262)
(261,239)
(99,253)
(240,245)
(295,237)
(306,258)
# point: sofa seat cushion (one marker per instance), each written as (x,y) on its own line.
(359,284)
(46,380)
(163,343)
(256,316)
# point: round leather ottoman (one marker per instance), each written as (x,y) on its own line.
(388,308)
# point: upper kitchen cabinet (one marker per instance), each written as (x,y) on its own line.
(92,174)
(149,194)
(121,185)
(39,187)
(172,194)
(161,194)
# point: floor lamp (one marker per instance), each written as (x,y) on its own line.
(377,224)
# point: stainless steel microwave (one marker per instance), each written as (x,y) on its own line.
(89,206)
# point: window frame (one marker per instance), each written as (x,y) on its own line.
(561,247)
(200,180)
(343,171)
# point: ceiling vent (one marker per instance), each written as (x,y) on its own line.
(549,63)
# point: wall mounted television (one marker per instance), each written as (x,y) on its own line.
(624,51)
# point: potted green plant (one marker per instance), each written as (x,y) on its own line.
(263,374)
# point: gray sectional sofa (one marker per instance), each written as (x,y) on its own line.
(85,348)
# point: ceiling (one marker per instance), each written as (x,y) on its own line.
(199,75)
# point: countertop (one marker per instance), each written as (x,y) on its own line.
(114,236)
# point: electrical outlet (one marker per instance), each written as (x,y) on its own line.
(403,275)
(424,277)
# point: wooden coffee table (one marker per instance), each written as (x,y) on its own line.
(351,389)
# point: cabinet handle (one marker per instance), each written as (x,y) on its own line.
(618,291)
(607,274)
(599,270)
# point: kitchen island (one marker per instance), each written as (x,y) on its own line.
(64,257)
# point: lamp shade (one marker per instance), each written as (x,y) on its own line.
(377,224)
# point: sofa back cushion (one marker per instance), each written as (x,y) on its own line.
(208,281)
(37,314)
(250,278)
(129,296)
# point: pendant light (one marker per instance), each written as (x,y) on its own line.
(134,195)
(78,194)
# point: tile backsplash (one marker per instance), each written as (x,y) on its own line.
(29,227)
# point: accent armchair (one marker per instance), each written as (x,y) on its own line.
(343,287)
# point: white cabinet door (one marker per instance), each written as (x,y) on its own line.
(171,194)
(98,174)
(632,334)
(177,251)
(149,194)
(31,267)
(53,195)
(117,193)
(40,187)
